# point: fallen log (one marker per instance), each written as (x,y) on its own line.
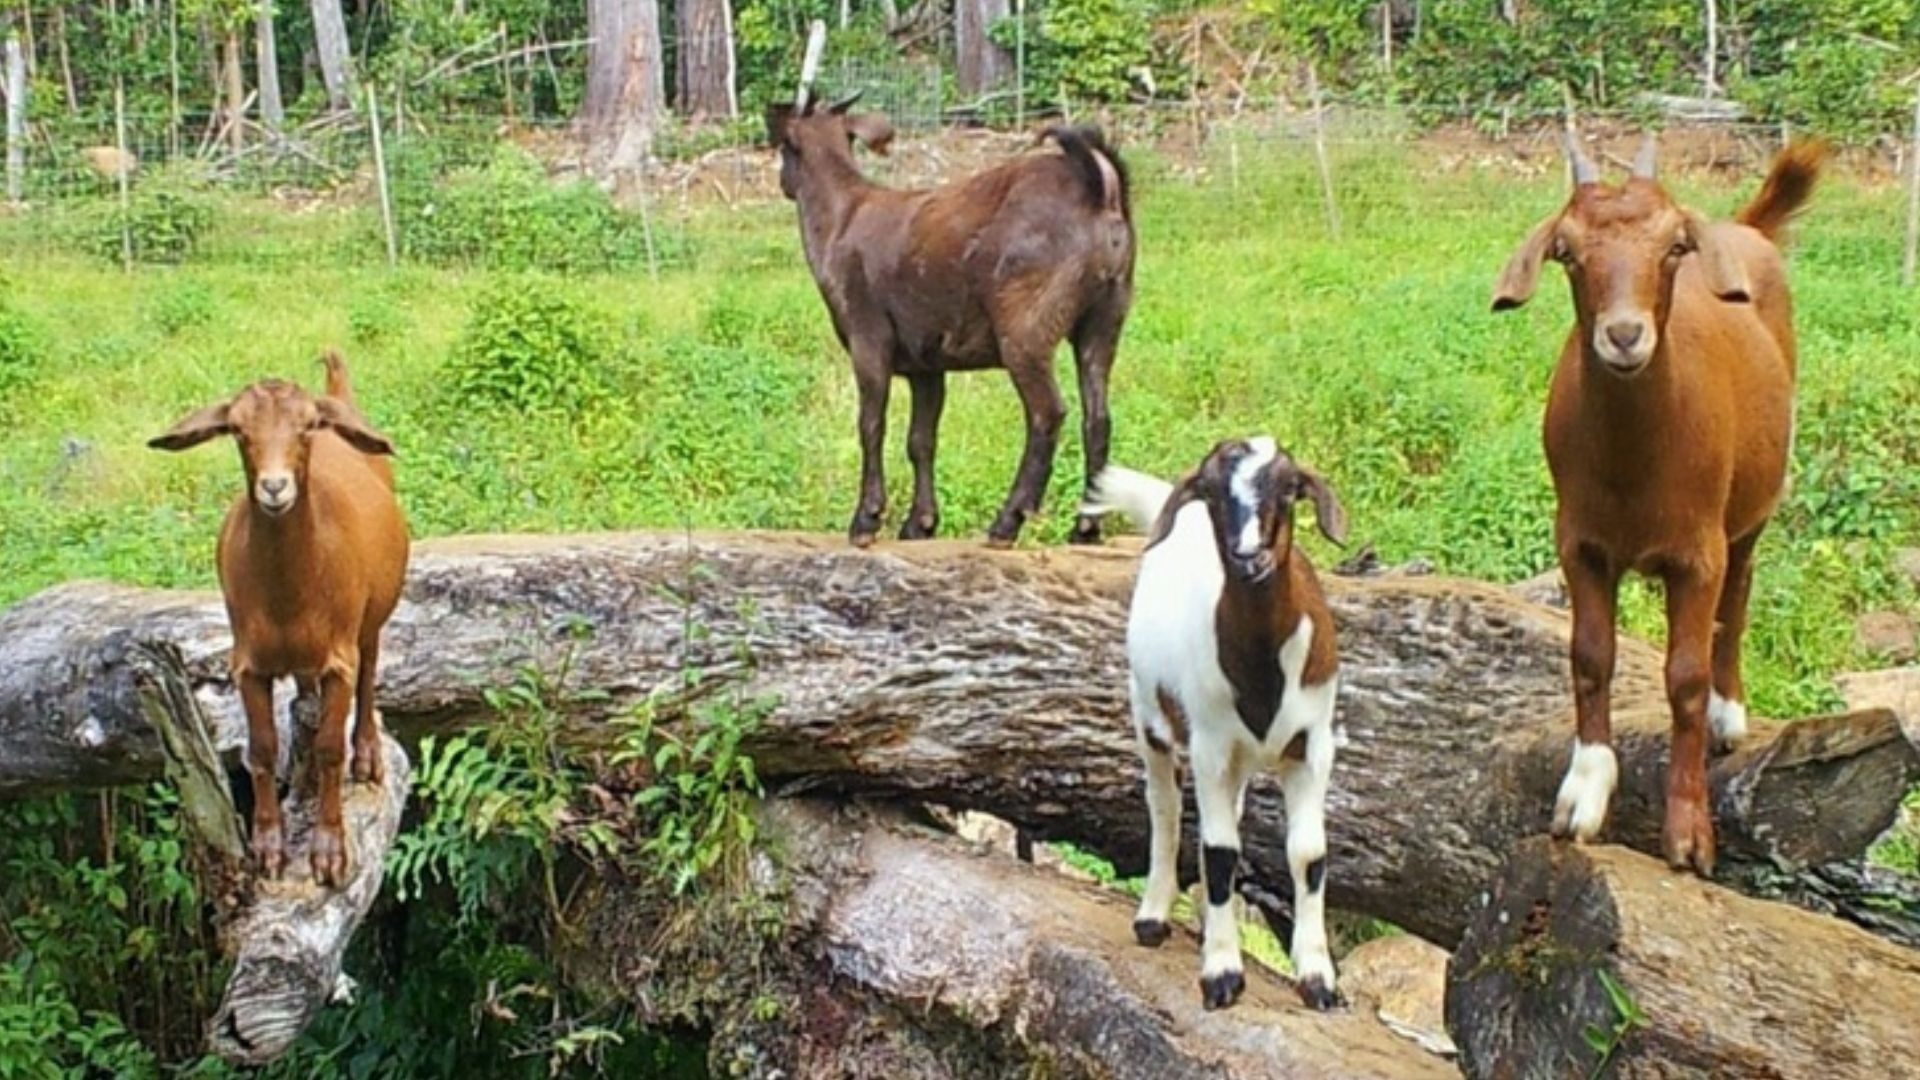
(908,953)
(1705,982)
(993,681)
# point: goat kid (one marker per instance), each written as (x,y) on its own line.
(312,557)
(1232,655)
(1668,431)
(991,271)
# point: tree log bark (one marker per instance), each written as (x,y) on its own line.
(1724,985)
(267,66)
(996,681)
(906,953)
(979,64)
(626,80)
(336,54)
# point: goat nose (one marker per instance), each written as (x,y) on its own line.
(274,485)
(1624,334)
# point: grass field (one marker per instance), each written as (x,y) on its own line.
(719,397)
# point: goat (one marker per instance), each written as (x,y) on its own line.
(312,557)
(987,272)
(1232,654)
(1668,430)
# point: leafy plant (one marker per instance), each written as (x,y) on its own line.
(529,346)
(163,225)
(186,303)
(21,348)
(1605,1042)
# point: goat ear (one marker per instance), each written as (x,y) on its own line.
(1186,491)
(1522,271)
(1725,275)
(1331,516)
(345,421)
(208,423)
(779,115)
(871,129)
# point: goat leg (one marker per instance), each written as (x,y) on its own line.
(873,378)
(1032,373)
(263,757)
(1693,593)
(923,436)
(328,850)
(1727,703)
(1593,585)
(369,764)
(1093,348)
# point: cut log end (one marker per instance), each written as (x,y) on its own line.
(1589,958)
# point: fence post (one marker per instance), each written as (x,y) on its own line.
(16,120)
(1913,195)
(1020,64)
(380,175)
(1320,151)
(125,169)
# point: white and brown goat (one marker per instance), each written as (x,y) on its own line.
(1232,655)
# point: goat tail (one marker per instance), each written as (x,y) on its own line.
(1101,172)
(1135,494)
(338,384)
(1788,186)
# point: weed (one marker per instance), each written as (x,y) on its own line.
(528,347)
(1605,1042)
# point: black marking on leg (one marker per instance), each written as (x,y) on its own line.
(1158,744)
(1316,874)
(1221,862)
(1220,991)
(1152,933)
(1318,995)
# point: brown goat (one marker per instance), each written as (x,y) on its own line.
(1668,431)
(991,271)
(312,557)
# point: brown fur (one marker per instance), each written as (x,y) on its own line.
(990,271)
(307,590)
(1672,470)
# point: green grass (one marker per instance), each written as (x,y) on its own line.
(722,399)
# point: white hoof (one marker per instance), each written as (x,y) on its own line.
(1727,718)
(1581,807)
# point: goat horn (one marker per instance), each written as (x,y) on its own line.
(846,103)
(1643,161)
(1584,170)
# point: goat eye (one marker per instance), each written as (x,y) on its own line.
(1561,253)
(1679,248)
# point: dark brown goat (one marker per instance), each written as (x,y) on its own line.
(991,271)
(1668,431)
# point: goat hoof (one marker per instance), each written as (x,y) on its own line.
(369,766)
(1086,530)
(1318,996)
(1222,990)
(1152,933)
(1687,838)
(269,851)
(861,540)
(918,528)
(328,856)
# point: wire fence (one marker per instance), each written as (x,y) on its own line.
(1341,159)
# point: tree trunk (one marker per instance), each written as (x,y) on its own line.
(979,64)
(336,54)
(909,954)
(1721,985)
(267,60)
(944,672)
(15,70)
(66,59)
(706,70)
(235,94)
(626,80)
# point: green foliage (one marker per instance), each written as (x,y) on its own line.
(164,225)
(21,348)
(1090,50)
(529,346)
(375,318)
(1606,1042)
(508,215)
(184,304)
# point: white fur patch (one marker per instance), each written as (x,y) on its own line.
(1591,777)
(1727,718)
(1246,491)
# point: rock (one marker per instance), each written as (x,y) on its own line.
(1402,979)
(1549,588)
(1895,688)
(1906,561)
(1886,633)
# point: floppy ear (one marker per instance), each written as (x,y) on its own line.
(1332,517)
(208,423)
(871,129)
(1522,271)
(1189,489)
(1724,274)
(345,421)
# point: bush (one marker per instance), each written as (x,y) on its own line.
(509,215)
(1090,49)
(528,346)
(165,225)
(20,348)
(374,318)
